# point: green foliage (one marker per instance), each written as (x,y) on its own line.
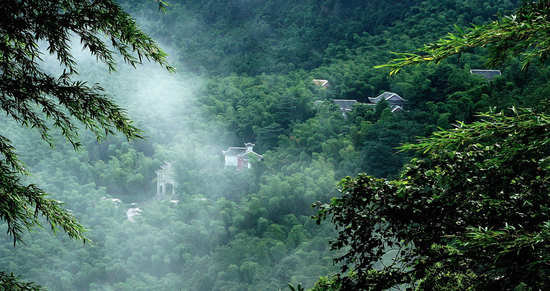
(327,284)
(474,207)
(21,206)
(30,96)
(522,34)
(251,230)
(470,212)
(254,37)
(38,100)
(298,288)
(10,282)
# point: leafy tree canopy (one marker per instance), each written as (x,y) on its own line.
(473,212)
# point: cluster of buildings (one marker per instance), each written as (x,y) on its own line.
(395,101)
(240,157)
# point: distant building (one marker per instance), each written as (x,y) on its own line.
(239,157)
(132,213)
(115,200)
(166,181)
(487,74)
(322,83)
(345,105)
(396,102)
(396,108)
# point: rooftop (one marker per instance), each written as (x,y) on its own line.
(345,105)
(390,96)
(321,82)
(487,74)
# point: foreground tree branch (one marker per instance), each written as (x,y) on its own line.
(525,34)
(472,212)
(39,100)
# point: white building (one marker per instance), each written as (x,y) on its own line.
(239,157)
(166,181)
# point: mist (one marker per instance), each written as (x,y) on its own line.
(244,74)
(179,243)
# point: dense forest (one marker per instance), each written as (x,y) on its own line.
(244,74)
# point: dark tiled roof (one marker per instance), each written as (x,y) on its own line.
(241,151)
(392,97)
(345,105)
(487,74)
(234,151)
(396,108)
(246,156)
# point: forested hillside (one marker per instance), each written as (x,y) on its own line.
(245,71)
(255,37)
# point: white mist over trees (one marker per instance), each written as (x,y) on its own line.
(244,72)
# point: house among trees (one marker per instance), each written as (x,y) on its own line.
(487,74)
(239,157)
(396,102)
(345,105)
(322,83)
(166,181)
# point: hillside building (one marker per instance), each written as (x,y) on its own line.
(345,105)
(239,157)
(166,181)
(322,83)
(396,102)
(487,74)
